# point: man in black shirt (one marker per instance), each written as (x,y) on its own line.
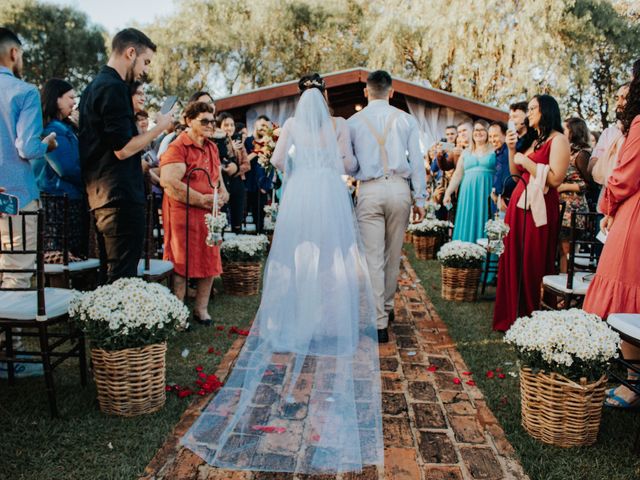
(110,156)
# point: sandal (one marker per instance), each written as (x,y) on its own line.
(621,402)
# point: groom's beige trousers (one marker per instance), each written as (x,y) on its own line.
(383,210)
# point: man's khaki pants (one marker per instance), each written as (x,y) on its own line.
(383,210)
(18,261)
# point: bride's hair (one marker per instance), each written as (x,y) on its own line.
(311,81)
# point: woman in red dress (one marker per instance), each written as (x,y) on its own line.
(192,149)
(536,257)
(616,285)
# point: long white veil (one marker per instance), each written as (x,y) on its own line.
(304,395)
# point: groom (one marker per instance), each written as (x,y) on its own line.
(382,136)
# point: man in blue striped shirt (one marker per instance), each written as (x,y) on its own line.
(20,130)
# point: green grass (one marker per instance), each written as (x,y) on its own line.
(482,349)
(76,446)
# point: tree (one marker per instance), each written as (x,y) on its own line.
(58,41)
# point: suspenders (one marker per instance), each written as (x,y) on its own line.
(381,139)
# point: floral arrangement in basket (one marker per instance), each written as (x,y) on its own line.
(573,343)
(216,223)
(431,208)
(129,313)
(244,248)
(458,254)
(429,227)
(496,230)
(265,145)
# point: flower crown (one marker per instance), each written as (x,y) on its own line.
(313,83)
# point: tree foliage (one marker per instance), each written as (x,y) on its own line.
(58,41)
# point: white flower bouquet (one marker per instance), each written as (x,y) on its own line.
(128,313)
(458,254)
(215,226)
(573,343)
(496,230)
(429,227)
(271,214)
(244,248)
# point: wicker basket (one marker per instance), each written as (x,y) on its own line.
(131,381)
(408,237)
(425,247)
(558,411)
(241,278)
(460,284)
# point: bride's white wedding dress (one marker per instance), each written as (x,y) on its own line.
(304,395)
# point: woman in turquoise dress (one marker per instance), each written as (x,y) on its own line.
(474,175)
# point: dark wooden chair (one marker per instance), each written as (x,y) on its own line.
(33,311)
(571,287)
(57,238)
(150,268)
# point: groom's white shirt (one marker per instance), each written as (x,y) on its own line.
(402,145)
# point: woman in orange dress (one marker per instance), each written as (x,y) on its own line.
(192,149)
(616,285)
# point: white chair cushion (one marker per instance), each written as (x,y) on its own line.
(585,262)
(483,242)
(88,264)
(626,323)
(559,282)
(156,267)
(24,305)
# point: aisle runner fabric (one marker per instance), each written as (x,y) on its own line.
(433,427)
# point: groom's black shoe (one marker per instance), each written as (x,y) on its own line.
(383,335)
(392,316)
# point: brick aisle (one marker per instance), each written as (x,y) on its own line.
(433,428)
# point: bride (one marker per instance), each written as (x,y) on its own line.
(304,395)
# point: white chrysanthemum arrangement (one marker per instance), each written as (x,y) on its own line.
(244,248)
(215,226)
(128,313)
(496,230)
(573,343)
(458,254)
(429,227)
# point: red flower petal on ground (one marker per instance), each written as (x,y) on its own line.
(211,350)
(199,368)
(199,383)
(498,369)
(432,368)
(212,379)
(471,382)
(268,429)
(502,376)
(185,393)
(490,374)
(315,438)
(168,388)
(202,393)
(220,328)
(467,373)
(177,388)
(457,381)
(202,375)
(238,331)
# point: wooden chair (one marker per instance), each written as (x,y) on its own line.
(491,261)
(33,311)
(628,326)
(56,237)
(149,268)
(571,287)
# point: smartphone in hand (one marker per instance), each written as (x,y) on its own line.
(168,104)
(8,204)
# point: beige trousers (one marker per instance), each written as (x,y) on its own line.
(383,210)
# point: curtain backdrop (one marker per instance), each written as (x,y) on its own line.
(277,110)
(433,120)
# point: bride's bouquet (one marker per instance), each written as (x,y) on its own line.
(265,145)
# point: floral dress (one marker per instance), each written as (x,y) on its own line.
(575,201)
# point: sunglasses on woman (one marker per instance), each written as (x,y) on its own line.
(205,121)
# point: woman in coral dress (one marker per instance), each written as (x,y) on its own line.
(192,149)
(616,285)
(550,148)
